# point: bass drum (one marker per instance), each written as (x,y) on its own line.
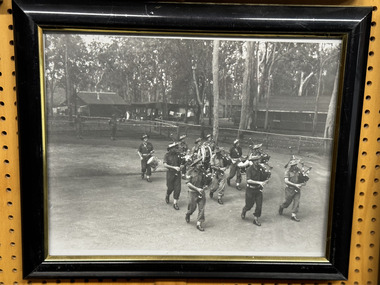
(153,162)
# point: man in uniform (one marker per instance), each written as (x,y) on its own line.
(235,154)
(218,182)
(172,161)
(145,152)
(209,147)
(292,189)
(253,192)
(196,148)
(196,183)
(184,151)
(113,125)
(79,125)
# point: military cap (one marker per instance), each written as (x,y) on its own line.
(144,137)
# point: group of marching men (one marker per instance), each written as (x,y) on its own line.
(204,168)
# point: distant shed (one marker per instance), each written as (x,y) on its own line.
(101,104)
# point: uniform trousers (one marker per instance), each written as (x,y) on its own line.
(145,167)
(253,196)
(234,169)
(292,195)
(218,185)
(173,183)
(194,200)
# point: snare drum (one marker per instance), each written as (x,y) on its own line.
(153,162)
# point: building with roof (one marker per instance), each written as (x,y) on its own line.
(100,104)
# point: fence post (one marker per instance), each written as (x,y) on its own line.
(267,141)
(299,145)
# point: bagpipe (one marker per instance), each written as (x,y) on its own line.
(302,173)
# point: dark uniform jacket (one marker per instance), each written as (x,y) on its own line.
(172,159)
(236,152)
(146,149)
(254,173)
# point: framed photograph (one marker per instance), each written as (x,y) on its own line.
(175,140)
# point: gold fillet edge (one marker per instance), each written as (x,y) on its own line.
(187,258)
(43,120)
(41,31)
(189,33)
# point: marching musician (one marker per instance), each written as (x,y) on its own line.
(235,154)
(196,148)
(184,150)
(209,147)
(172,161)
(145,152)
(218,182)
(293,188)
(256,180)
(113,126)
(197,178)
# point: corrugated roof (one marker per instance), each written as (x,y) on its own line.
(291,104)
(101,98)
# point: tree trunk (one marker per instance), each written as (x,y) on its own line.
(303,81)
(246,88)
(198,99)
(215,79)
(315,118)
(68,85)
(330,119)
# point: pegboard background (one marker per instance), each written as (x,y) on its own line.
(364,260)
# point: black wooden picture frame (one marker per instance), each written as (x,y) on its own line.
(352,24)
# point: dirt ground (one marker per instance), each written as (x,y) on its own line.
(98,205)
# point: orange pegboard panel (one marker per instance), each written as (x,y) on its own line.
(364,260)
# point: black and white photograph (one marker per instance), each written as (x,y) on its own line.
(189,145)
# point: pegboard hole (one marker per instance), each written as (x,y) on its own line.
(371,245)
(13,244)
(372,39)
(2,118)
(1,88)
(374,206)
(13,257)
(10,27)
(362,180)
(359,233)
(364,153)
(363,167)
(367,112)
(5,147)
(358,245)
(376,180)
(10,217)
(4,133)
(14,270)
(361,207)
(370,257)
(373,220)
(366,126)
(374,8)
(9,11)
(361,193)
(375,193)
(373,24)
(6,161)
(10,204)
(370,68)
(357,258)
(2,103)
(365,140)
(371,53)
(369,83)
(11,231)
(11,43)
(8,189)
